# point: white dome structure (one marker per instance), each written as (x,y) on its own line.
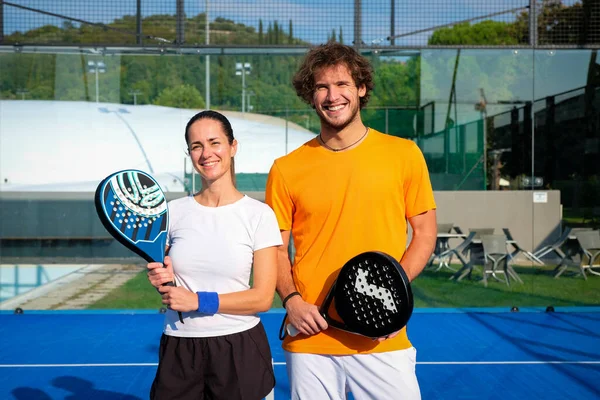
(70,146)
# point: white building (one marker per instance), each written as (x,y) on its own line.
(72,146)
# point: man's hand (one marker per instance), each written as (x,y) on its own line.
(178,298)
(159,275)
(305,317)
(390,336)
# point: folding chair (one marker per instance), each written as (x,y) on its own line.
(518,249)
(556,246)
(479,232)
(589,243)
(442,244)
(460,251)
(496,253)
(458,230)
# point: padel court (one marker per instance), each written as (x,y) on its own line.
(462,354)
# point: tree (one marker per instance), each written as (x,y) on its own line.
(291,34)
(562,24)
(270,34)
(341,38)
(557,24)
(484,33)
(182,96)
(276,32)
(260,32)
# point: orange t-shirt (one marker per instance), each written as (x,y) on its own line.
(338,205)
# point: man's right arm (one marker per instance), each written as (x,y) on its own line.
(285,281)
(303,316)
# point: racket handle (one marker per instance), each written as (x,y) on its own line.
(178,312)
(289,328)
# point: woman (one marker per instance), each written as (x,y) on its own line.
(217,237)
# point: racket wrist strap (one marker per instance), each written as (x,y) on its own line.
(289,296)
(208,302)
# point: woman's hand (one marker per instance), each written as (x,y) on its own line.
(178,298)
(158,274)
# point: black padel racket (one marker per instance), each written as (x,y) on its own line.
(372,296)
(133,209)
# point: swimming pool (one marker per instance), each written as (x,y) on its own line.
(18,279)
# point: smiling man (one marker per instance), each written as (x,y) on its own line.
(349,190)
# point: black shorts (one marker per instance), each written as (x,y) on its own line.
(230,367)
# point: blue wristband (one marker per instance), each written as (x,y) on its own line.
(208,302)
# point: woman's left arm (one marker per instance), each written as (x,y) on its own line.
(247,302)
(259,297)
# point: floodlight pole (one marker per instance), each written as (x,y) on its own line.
(96,67)
(22,92)
(134,93)
(248,96)
(97,86)
(242,69)
(243,90)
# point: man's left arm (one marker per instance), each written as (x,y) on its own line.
(419,250)
(424,236)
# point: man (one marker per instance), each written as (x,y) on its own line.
(349,190)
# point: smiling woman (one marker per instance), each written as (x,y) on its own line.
(219,241)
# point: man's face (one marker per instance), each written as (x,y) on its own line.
(336,98)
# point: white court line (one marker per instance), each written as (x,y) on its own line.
(283,363)
(77,365)
(504,362)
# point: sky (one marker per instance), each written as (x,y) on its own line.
(313,20)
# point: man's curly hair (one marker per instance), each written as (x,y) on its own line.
(327,55)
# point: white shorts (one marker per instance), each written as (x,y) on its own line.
(384,376)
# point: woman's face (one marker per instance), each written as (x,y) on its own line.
(210,150)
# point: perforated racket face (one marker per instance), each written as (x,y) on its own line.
(133,209)
(373,295)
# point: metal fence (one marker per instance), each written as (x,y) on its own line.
(375,24)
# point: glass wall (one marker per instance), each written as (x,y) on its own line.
(510,137)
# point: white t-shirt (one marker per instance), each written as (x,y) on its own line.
(212,249)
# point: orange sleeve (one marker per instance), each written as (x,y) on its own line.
(278,198)
(418,193)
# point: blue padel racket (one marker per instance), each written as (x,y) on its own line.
(133,209)
(372,296)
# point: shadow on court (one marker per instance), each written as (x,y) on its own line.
(75,387)
(83,389)
(567,323)
(25,393)
(538,350)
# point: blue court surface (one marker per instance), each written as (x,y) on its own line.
(462,354)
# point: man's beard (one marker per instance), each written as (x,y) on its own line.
(326,123)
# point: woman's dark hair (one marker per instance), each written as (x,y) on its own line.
(225,124)
(332,54)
